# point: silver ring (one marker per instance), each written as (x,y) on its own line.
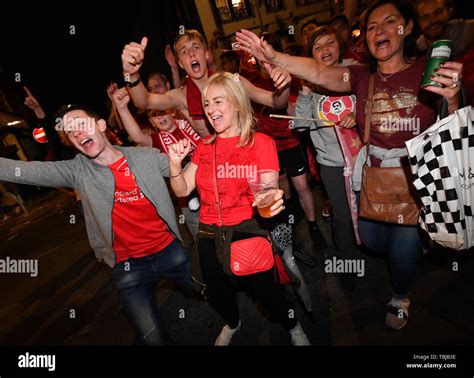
(453,86)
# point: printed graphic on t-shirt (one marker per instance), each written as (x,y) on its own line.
(128,196)
(395,112)
(333,109)
(401,109)
(138,230)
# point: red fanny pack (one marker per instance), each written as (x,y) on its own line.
(250,256)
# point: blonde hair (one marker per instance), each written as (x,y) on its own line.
(191,35)
(234,92)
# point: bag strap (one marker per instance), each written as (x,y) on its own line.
(214,179)
(443,106)
(368,114)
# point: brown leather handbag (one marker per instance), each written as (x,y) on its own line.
(387,193)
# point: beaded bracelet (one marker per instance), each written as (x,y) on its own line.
(177,174)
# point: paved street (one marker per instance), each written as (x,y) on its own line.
(72,300)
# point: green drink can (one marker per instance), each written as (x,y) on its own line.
(440,52)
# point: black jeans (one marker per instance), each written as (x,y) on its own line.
(261,287)
(342,228)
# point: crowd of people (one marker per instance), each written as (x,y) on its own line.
(163,148)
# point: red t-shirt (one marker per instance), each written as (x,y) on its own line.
(138,230)
(401,109)
(278,129)
(233,164)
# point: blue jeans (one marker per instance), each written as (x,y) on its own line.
(402,244)
(135,280)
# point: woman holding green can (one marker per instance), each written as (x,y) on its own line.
(400,109)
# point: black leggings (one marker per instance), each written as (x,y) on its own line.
(261,287)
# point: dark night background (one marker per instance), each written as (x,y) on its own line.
(62,68)
(348,329)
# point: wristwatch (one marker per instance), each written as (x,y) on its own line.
(131,84)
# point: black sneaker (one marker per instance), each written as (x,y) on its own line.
(319,243)
(303,256)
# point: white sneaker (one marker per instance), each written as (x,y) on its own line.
(298,336)
(226,334)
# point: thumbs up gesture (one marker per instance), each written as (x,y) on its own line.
(133,55)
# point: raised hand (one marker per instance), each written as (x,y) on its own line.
(111,89)
(281,78)
(30,100)
(450,75)
(133,55)
(258,47)
(178,151)
(171,58)
(33,104)
(121,98)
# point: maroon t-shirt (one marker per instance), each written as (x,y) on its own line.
(401,109)
(278,129)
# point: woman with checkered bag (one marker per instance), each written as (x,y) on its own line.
(400,109)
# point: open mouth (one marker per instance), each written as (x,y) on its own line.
(86,142)
(195,66)
(216,118)
(164,122)
(382,44)
(326,57)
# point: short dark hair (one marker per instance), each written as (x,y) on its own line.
(320,32)
(66,108)
(408,12)
(229,56)
(339,17)
(273,40)
(447,3)
(308,22)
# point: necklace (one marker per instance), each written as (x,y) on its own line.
(385,78)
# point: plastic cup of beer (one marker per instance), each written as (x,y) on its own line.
(264,185)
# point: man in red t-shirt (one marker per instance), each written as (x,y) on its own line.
(129,217)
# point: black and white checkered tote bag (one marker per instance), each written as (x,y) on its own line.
(442,162)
